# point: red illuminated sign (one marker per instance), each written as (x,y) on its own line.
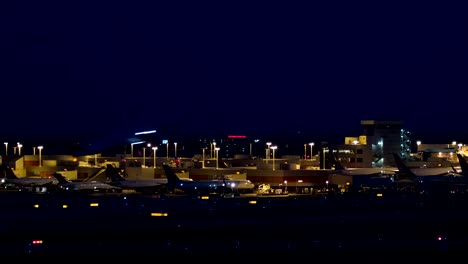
(237,136)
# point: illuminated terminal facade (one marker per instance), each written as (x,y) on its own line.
(259,160)
(374,148)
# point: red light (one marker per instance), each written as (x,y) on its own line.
(35,242)
(237,136)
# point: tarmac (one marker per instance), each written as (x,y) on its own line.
(180,226)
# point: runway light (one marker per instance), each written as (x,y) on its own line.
(36,242)
(64,206)
(205,197)
(253,202)
(94,204)
(159,214)
(379,195)
(36,206)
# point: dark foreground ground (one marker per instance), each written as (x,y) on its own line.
(346,227)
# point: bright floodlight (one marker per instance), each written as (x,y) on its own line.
(145,132)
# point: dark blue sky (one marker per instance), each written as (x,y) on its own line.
(86,68)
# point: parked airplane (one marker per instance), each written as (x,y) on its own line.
(375,178)
(206,186)
(377,172)
(463,165)
(146,185)
(65,184)
(9,178)
(424,174)
(442,183)
(240,186)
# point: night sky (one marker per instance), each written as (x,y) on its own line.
(89,69)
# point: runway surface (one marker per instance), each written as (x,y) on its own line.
(292,227)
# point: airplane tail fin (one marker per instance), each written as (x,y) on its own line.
(463,164)
(221,163)
(172,179)
(113,174)
(403,171)
(97,175)
(336,163)
(7,172)
(60,178)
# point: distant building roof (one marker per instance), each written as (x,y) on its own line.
(376,122)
